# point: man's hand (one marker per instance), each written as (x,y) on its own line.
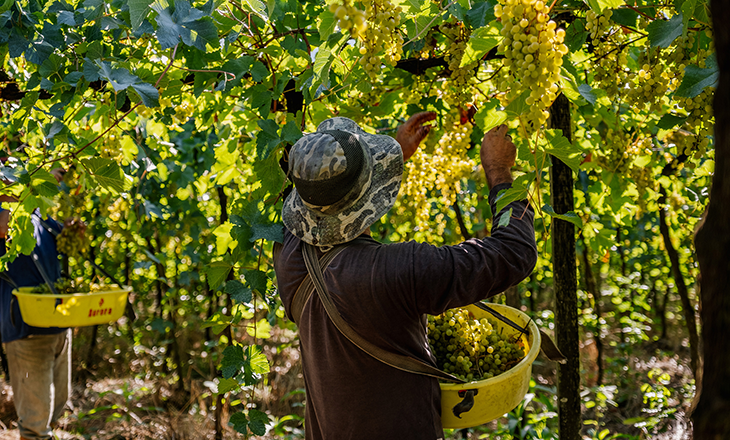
(498,155)
(410,134)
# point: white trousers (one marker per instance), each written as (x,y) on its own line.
(40,374)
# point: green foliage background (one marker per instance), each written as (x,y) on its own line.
(171,118)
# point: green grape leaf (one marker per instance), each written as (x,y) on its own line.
(270,175)
(587,92)
(43,183)
(326,23)
(106,172)
(267,231)
(257,421)
(138,10)
(290,132)
(259,71)
(256,280)
(322,62)
(504,219)
(696,79)
(147,93)
(152,210)
(688,8)
(238,291)
(256,359)
(576,35)
(216,272)
(480,42)
(223,239)
(625,16)
(239,422)
(481,13)
(561,148)
(430,16)
(570,216)
(509,195)
(670,121)
(489,116)
(518,106)
(6,6)
(599,5)
(233,361)
(227,385)
(188,24)
(256,6)
(663,32)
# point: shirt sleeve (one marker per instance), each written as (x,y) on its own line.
(454,276)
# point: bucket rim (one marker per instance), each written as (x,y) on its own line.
(20,293)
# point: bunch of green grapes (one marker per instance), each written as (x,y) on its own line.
(118,209)
(614,154)
(380,41)
(73,239)
(441,170)
(533,49)
(457,90)
(71,199)
(349,18)
(643,178)
(183,112)
(649,85)
(687,143)
(63,286)
(111,148)
(681,52)
(699,112)
(471,349)
(598,24)
(611,73)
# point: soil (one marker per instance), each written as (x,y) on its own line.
(111,405)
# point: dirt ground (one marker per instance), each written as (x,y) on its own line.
(142,406)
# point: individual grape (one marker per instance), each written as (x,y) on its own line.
(470,348)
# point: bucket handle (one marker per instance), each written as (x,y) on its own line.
(466,404)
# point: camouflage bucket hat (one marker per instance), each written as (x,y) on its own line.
(344,181)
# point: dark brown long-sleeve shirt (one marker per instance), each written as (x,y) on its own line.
(384,292)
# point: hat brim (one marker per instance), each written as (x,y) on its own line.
(313,227)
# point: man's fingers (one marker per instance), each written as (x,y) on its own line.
(502,130)
(422,118)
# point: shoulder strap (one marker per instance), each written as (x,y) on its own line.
(399,361)
(304,292)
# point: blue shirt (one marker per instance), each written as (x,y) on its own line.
(24,273)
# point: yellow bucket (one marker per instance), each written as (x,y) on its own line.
(482,401)
(71,310)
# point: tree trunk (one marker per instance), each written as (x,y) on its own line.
(663,311)
(595,291)
(687,308)
(565,283)
(624,317)
(512,298)
(713,252)
(92,347)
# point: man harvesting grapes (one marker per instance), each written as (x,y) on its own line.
(39,359)
(345,180)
